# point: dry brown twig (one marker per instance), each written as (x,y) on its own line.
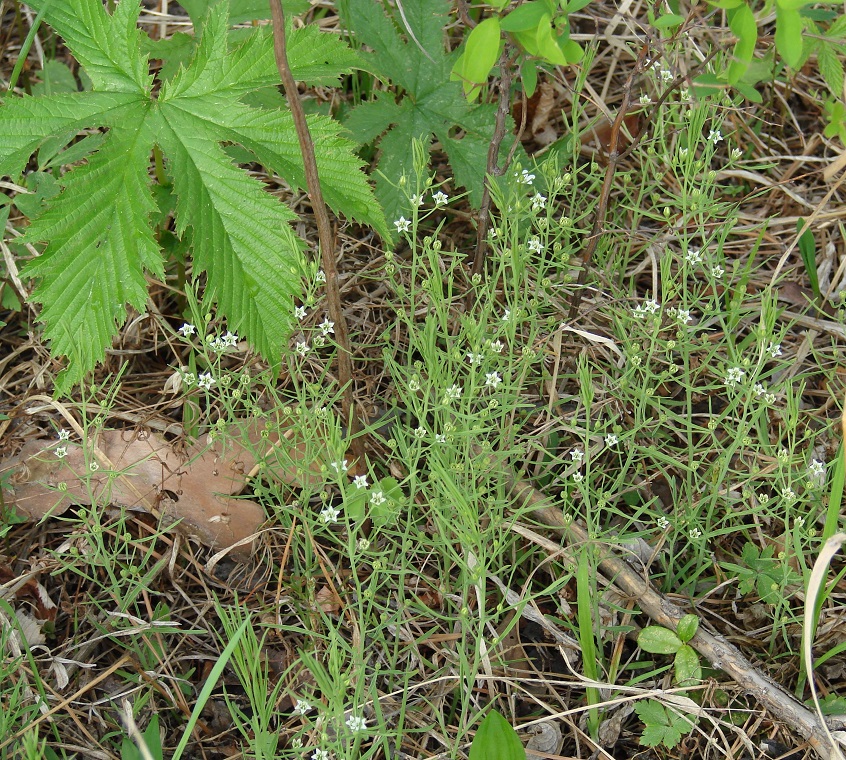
(324,230)
(720,653)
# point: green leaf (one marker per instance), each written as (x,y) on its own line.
(656,639)
(385,512)
(496,739)
(687,627)
(831,68)
(662,726)
(668,20)
(481,52)
(529,76)
(369,120)
(687,666)
(548,48)
(788,36)
(792,5)
(727,4)
(525,17)
(743,25)
(808,250)
(55,77)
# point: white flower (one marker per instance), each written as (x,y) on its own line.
(474,359)
(320,754)
(360,481)
(577,455)
(61,452)
(329,515)
(64,435)
(320,276)
(327,326)
(440,198)
(377,498)
(356,723)
(788,493)
(717,271)
(94,467)
(453,393)
(578,477)
(301,707)
(799,522)
(816,467)
(187,329)
(524,178)
(206,381)
(683,152)
(416,200)
(440,438)
(734,376)
(402,224)
(683,316)
(492,379)
(300,312)
(496,346)
(420,432)
(693,256)
(339,466)
(663,523)
(506,315)
(414,384)
(189,378)
(774,349)
(666,75)
(538,202)
(535,245)
(736,153)
(695,533)
(302,347)
(647,307)
(611,439)
(715,136)
(230,339)
(645,100)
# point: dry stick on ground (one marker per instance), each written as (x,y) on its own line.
(720,653)
(324,227)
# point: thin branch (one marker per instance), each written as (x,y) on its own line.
(324,226)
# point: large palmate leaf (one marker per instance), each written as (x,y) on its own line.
(100,245)
(433,105)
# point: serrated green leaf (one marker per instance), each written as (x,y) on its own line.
(496,739)
(831,67)
(55,78)
(100,246)
(656,639)
(788,36)
(369,120)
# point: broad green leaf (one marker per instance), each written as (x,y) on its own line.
(496,739)
(241,10)
(548,48)
(525,17)
(687,627)
(668,20)
(55,78)
(576,5)
(788,36)
(743,25)
(687,666)
(385,512)
(481,52)
(369,120)
(529,75)
(656,639)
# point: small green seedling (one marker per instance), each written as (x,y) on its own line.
(661,726)
(496,739)
(656,639)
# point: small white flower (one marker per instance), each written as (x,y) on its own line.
(377,498)
(578,477)
(774,350)
(577,455)
(535,245)
(300,312)
(538,202)
(327,326)
(506,315)
(717,272)
(319,341)
(693,256)
(360,481)
(666,75)
(297,742)
(339,466)
(683,316)
(816,467)
(356,723)
(187,329)
(302,347)
(492,379)
(683,152)
(329,515)
(715,136)
(798,522)
(695,533)
(230,339)
(301,707)
(189,378)
(206,381)
(362,544)
(94,467)
(736,153)
(402,224)
(453,393)
(788,493)
(734,376)
(474,359)
(663,523)
(61,452)
(414,384)
(496,346)
(64,435)
(524,178)
(420,432)
(440,438)
(611,440)
(440,198)
(321,754)
(416,200)
(645,100)
(320,276)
